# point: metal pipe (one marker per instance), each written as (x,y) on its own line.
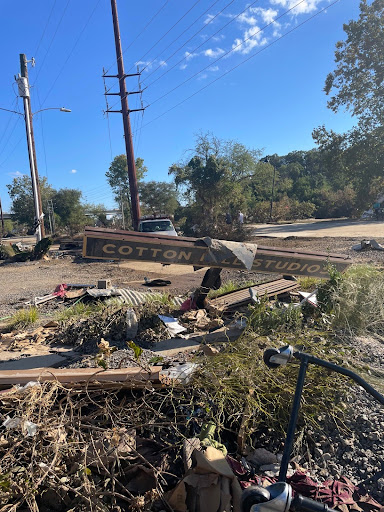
(293,419)
(344,371)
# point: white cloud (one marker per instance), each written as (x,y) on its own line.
(267,15)
(73,171)
(213,68)
(163,64)
(16,174)
(218,38)
(209,18)
(214,53)
(247,19)
(190,56)
(252,37)
(145,63)
(183,66)
(203,76)
(303,8)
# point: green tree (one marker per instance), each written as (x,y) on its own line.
(158,197)
(117,177)
(214,181)
(20,192)
(69,211)
(357,83)
(356,158)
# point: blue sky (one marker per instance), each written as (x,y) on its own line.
(270,102)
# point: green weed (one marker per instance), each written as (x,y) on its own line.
(23,318)
(229,286)
(266,317)
(80,309)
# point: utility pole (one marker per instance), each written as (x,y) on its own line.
(23,85)
(2,221)
(134,192)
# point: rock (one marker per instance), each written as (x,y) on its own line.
(261,456)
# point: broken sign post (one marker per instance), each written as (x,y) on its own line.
(109,244)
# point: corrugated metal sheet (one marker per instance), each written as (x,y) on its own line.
(136,297)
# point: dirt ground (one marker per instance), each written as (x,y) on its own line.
(20,282)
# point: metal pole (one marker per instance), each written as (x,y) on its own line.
(135,204)
(122,208)
(273,192)
(32,150)
(2,221)
(293,420)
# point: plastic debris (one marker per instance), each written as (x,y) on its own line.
(172,325)
(132,324)
(26,426)
(178,374)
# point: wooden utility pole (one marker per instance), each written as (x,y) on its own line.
(135,204)
(24,92)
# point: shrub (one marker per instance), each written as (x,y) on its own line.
(358,301)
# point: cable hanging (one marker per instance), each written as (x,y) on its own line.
(226,53)
(206,41)
(243,62)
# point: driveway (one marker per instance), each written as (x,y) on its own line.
(320,228)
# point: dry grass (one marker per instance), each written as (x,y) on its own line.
(358,301)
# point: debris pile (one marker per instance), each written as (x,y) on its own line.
(170,407)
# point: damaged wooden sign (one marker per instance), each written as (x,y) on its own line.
(109,244)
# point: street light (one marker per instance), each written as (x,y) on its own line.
(62,109)
(28,116)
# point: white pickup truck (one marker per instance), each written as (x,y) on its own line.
(158,225)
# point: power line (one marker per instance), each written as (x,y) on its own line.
(178,37)
(10,135)
(168,31)
(206,41)
(12,151)
(50,44)
(242,62)
(72,50)
(42,135)
(9,121)
(141,32)
(226,53)
(45,28)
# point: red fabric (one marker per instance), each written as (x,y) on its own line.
(341,494)
(60,290)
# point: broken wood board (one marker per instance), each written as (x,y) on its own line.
(82,377)
(108,244)
(238,298)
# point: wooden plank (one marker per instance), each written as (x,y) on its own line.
(125,245)
(130,377)
(242,297)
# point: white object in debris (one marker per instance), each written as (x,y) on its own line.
(9,423)
(131,323)
(30,427)
(368,244)
(178,374)
(309,297)
(172,325)
(30,384)
(26,426)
